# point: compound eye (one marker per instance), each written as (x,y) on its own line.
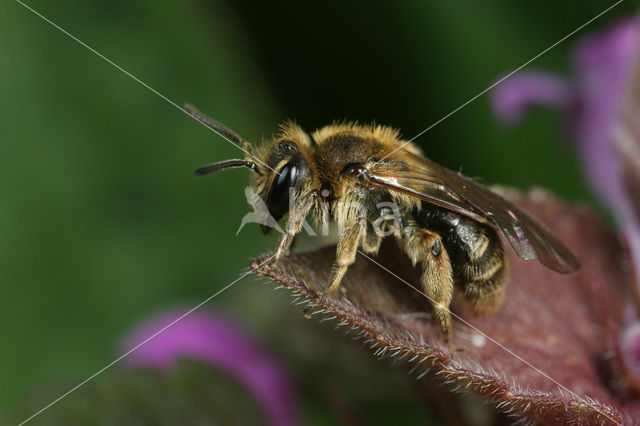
(278,202)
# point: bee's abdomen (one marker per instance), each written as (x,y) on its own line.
(482,277)
(477,258)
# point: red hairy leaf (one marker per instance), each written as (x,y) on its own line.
(546,355)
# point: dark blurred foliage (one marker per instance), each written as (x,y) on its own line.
(411,64)
(101,219)
(191,394)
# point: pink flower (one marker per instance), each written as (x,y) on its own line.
(222,343)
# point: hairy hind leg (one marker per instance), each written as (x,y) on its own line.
(425,247)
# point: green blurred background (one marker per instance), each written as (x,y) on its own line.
(101,221)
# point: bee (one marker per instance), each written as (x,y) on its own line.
(445,223)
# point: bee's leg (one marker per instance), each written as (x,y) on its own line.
(292,246)
(371,239)
(346,253)
(426,247)
(295,221)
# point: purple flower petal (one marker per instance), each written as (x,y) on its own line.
(514,96)
(602,64)
(224,344)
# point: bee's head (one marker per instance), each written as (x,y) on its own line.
(288,172)
(281,168)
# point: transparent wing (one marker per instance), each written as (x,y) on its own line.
(424,179)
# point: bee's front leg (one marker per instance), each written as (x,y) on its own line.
(346,252)
(295,222)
